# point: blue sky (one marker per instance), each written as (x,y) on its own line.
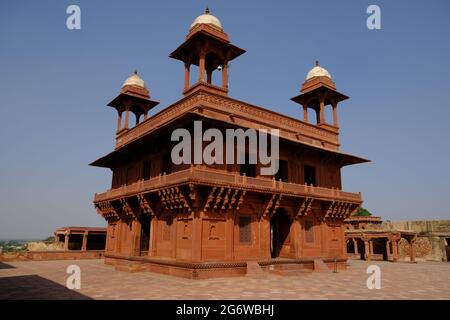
(55,83)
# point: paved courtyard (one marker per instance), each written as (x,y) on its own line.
(47,279)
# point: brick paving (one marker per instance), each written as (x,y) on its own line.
(47,279)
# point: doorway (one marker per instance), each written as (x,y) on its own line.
(145,234)
(280,226)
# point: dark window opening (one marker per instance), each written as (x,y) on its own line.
(310,175)
(75,241)
(245,231)
(248,168)
(309,231)
(282,173)
(96,242)
(146,170)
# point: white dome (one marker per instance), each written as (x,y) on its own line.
(207,18)
(318,71)
(134,80)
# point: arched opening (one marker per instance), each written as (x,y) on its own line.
(350,246)
(361,248)
(329,114)
(212,63)
(280,226)
(379,249)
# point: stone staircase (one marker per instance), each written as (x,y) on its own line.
(289,269)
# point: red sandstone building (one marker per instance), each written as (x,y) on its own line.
(208,220)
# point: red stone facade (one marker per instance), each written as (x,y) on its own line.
(204,220)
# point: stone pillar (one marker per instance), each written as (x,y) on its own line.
(127,116)
(322,110)
(135,237)
(371,246)
(335,115)
(187,67)
(66,242)
(202,67)
(225,76)
(153,235)
(394,250)
(388,250)
(84,243)
(145,114)
(119,122)
(355,245)
(305,113)
(367,250)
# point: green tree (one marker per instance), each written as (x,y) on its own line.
(362,212)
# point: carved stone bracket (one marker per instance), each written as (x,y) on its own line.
(272,205)
(144,203)
(305,207)
(339,210)
(127,211)
(174,200)
(222,199)
(106,210)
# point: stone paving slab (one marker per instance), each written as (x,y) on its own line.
(47,280)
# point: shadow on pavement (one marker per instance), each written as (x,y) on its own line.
(6,266)
(33,287)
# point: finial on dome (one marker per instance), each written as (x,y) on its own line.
(207,18)
(135,71)
(317,63)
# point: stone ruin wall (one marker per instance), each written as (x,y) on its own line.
(431,240)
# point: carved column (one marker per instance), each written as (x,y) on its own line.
(394,250)
(135,236)
(119,122)
(127,116)
(322,111)
(388,250)
(367,250)
(153,236)
(202,66)
(119,226)
(335,115)
(305,113)
(84,243)
(187,67)
(66,241)
(355,245)
(225,76)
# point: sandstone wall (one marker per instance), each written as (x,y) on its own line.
(431,242)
